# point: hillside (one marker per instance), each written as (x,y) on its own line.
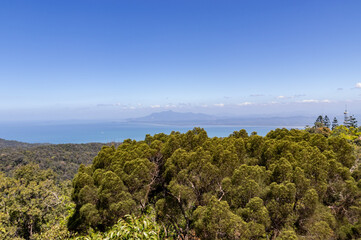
(63,159)
(15,144)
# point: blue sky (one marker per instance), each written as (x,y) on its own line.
(117,59)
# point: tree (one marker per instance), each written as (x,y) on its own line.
(216,221)
(327,122)
(334,123)
(280,202)
(287,234)
(131,227)
(319,122)
(352,122)
(320,231)
(289,184)
(32,204)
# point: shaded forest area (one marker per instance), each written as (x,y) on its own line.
(290,184)
(63,159)
(15,144)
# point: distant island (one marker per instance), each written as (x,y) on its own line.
(189,118)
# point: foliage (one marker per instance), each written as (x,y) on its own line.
(15,144)
(63,159)
(334,123)
(289,184)
(130,227)
(350,133)
(32,206)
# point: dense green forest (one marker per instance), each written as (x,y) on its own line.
(63,159)
(290,184)
(15,144)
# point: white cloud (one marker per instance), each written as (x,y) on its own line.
(155,106)
(309,101)
(244,104)
(219,104)
(358,85)
(290,97)
(315,101)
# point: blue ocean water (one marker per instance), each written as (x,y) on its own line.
(106,131)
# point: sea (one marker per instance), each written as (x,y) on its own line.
(57,133)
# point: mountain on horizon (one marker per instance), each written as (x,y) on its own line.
(171,117)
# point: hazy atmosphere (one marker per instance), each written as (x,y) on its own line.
(111,60)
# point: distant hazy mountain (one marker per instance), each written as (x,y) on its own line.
(171,117)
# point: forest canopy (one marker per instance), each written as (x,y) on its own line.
(289,184)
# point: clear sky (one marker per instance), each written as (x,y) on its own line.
(103,59)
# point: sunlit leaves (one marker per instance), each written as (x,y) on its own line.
(289,184)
